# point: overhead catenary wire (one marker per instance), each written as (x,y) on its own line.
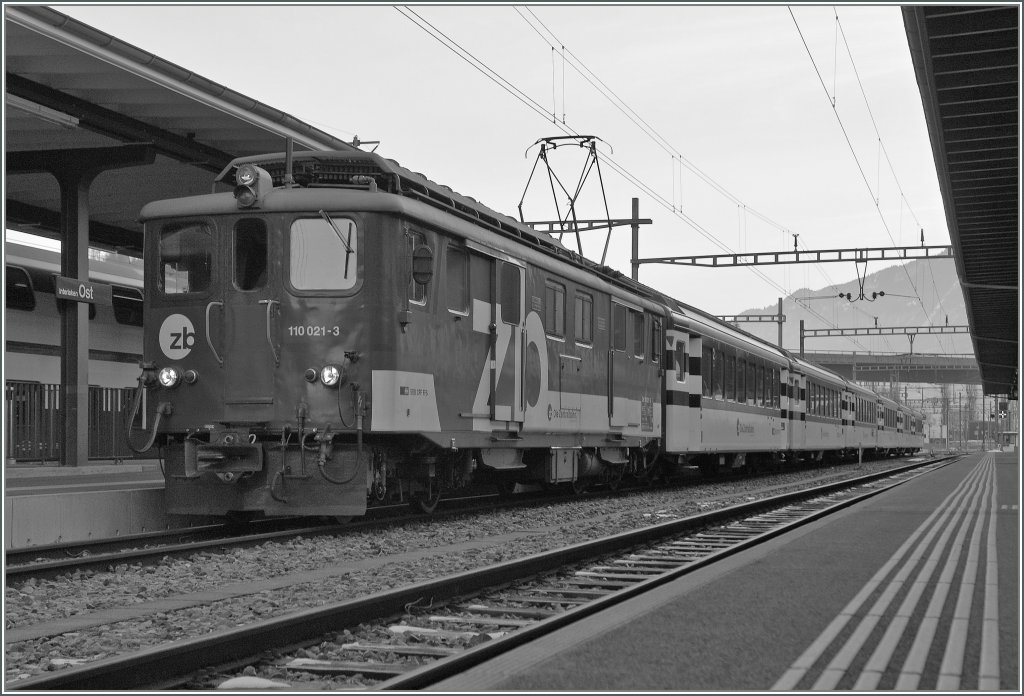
(608,93)
(633,116)
(849,143)
(882,149)
(535,106)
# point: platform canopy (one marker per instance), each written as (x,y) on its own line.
(69,85)
(967,63)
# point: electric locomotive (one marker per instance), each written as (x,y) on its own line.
(338,331)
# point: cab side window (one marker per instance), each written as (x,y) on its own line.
(417,291)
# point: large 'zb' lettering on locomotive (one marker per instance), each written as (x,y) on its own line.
(505,334)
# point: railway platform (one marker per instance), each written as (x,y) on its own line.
(916,588)
(103,499)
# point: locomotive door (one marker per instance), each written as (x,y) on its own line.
(618,365)
(249,346)
(508,341)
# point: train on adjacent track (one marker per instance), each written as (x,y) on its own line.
(339,331)
(32,352)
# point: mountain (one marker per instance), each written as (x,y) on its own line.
(919,293)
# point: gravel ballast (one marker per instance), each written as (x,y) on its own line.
(88,615)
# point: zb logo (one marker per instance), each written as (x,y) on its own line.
(177,336)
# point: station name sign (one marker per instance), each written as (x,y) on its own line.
(75,290)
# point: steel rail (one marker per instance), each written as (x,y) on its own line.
(172,664)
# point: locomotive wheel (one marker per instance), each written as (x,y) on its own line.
(427,501)
(614,478)
(646,471)
(505,487)
(580,486)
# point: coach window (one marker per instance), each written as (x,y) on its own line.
(554,309)
(186,258)
(638,333)
(707,364)
(322,259)
(250,254)
(19,294)
(618,327)
(583,318)
(741,381)
(719,381)
(776,386)
(730,376)
(457,276)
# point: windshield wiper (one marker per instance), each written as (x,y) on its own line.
(347,243)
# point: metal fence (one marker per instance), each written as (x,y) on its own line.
(33,426)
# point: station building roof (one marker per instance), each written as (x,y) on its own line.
(967,63)
(71,86)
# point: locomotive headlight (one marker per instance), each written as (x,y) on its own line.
(246,175)
(168,377)
(190,376)
(252,183)
(330,376)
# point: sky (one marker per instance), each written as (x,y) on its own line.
(735,126)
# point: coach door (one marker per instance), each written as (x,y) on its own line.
(249,319)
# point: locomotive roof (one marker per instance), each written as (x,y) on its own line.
(337,168)
(348,169)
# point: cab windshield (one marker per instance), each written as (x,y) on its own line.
(323,253)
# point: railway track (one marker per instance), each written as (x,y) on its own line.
(417,635)
(50,560)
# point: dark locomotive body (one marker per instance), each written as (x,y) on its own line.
(366,336)
(434,325)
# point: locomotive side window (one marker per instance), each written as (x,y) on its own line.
(776,386)
(583,318)
(554,309)
(186,258)
(509,292)
(457,273)
(19,293)
(638,334)
(417,291)
(320,258)
(250,254)
(657,341)
(618,327)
